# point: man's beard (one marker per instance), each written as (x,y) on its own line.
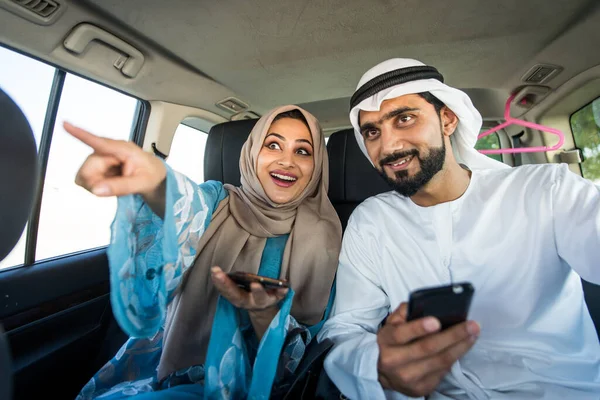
(430,165)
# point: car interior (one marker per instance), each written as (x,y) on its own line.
(187,80)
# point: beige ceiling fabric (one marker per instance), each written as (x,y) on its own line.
(318,50)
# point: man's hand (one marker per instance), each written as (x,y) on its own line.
(415,356)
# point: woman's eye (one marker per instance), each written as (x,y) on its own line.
(303,152)
(274,146)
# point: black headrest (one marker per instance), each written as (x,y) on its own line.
(223,148)
(352,178)
(18,180)
(18,172)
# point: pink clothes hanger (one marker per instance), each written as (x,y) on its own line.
(514,121)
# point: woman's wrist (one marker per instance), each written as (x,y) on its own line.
(264,314)
(261,319)
(156,199)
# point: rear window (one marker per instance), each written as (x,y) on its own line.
(187,152)
(490,142)
(585,125)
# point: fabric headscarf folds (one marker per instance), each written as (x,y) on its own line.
(424,79)
(236,237)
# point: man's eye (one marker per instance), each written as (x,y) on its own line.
(371,133)
(405,118)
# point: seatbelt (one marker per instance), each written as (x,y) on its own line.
(517,143)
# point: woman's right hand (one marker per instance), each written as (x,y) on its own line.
(118,168)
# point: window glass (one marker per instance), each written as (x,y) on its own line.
(187,152)
(585,125)
(71,218)
(28,82)
(490,142)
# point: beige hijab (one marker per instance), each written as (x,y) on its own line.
(236,237)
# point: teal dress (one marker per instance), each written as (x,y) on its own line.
(148,257)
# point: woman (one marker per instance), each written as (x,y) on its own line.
(194,332)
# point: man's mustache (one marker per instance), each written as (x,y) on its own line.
(390,159)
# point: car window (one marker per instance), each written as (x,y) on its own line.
(70,219)
(490,142)
(585,125)
(187,152)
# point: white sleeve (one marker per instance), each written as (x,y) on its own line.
(576,212)
(359,307)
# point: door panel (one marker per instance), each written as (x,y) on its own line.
(57,315)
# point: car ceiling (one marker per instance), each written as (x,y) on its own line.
(313,53)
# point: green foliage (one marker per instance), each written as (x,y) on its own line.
(490,142)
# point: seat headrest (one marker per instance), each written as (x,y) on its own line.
(223,149)
(18,172)
(352,178)
(18,180)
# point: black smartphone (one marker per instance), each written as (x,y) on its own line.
(244,279)
(450,304)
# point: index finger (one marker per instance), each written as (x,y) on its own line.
(402,334)
(99,144)
(465,332)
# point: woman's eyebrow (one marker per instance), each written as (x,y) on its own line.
(277,135)
(305,141)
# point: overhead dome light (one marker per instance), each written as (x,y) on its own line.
(233,105)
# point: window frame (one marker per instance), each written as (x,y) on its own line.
(137,135)
(580,164)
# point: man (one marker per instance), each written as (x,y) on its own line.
(522,236)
